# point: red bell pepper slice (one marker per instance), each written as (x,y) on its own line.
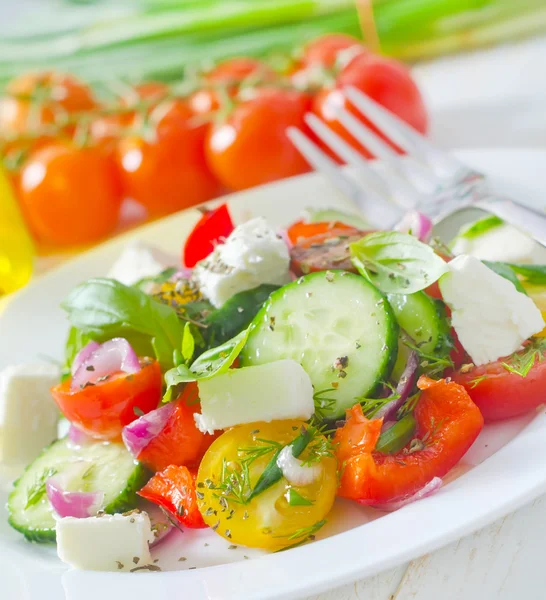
(213,227)
(448,422)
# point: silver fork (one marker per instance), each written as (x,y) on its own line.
(427,180)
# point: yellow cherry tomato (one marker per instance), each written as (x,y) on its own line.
(537,294)
(283,514)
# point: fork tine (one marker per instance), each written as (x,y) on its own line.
(346,152)
(407,172)
(375,208)
(401,133)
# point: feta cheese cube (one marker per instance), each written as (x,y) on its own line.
(250,256)
(28,414)
(277,390)
(106,543)
(492,319)
(503,243)
(138,260)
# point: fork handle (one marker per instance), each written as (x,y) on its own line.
(528,220)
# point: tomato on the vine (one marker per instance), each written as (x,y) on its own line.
(70,195)
(228,74)
(164,169)
(251,147)
(325,50)
(386,81)
(36,99)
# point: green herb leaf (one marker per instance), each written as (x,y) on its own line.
(295,499)
(396,437)
(479,227)
(520,363)
(104,308)
(188,343)
(211,363)
(535,274)
(158,279)
(272,472)
(397,263)
(506,271)
(37,491)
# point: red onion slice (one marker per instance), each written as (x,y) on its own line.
(403,389)
(72,504)
(83,355)
(417,223)
(432,486)
(111,357)
(138,434)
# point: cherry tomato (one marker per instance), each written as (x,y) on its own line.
(251,147)
(279,515)
(69,195)
(325,50)
(385,81)
(174,490)
(229,74)
(36,99)
(213,227)
(179,442)
(325,251)
(167,171)
(108,128)
(448,422)
(500,393)
(102,410)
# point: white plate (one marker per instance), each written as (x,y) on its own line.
(505,468)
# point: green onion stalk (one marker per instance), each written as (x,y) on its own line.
(105,41)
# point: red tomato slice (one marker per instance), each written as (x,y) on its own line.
(448,422)
(180,442)
(300,231)
(174,490)
(502,394)
(102,410)
(213,227)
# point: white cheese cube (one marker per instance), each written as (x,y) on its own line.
(106,543)
(492,319)
(274,391)
(503,243)
(251,255)
(28,414)
(138,260)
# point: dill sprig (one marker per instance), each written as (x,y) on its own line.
(323,405)
(522,362)
(38,489)
(302,535)
(431,365)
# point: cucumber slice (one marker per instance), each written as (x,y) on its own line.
(424,319)
(338,326)
(112,470)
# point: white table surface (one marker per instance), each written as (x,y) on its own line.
(489,98)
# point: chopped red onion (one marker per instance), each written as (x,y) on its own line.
(72,504)
(417,223)
(138,434)
(110,357)
(83,355)
(432,486)
(403,389)
(283,234)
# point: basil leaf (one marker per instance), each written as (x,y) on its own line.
(479,227)
(506,271)
(211,363)
(397,263)
(104,308)
(188,343)
(535,274)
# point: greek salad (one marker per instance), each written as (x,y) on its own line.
(246,386)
